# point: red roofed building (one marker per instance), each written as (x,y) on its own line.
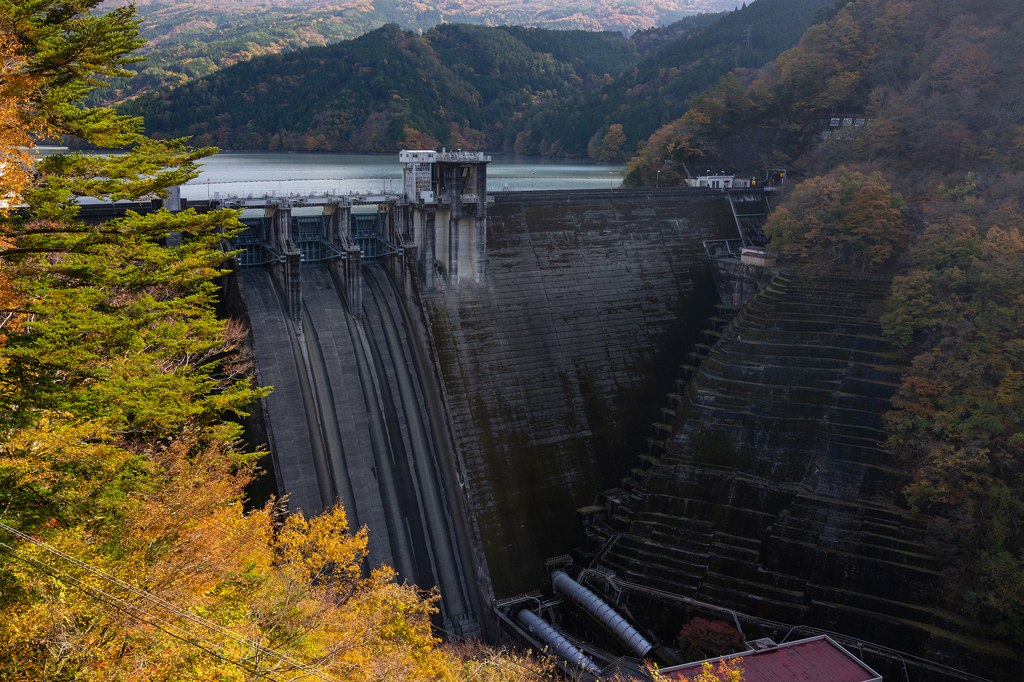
(817,659)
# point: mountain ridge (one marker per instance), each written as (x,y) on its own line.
(187,40)
(558,93)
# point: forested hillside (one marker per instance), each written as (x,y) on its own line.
(649,40)
(944,82)
(657,90)
(911,116)
(942,89)
(187,40)
(457,85)
(530,91)
(191,40)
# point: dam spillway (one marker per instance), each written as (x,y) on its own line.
(348,420)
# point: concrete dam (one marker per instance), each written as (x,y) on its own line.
(554,366)
(521,392)
(463,371)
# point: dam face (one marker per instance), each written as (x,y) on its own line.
(463,371)
(554,366)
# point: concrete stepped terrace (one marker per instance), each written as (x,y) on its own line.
(776,496)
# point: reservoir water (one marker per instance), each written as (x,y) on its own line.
(258,173)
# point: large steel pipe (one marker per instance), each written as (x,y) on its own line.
(602,611)
(559,644)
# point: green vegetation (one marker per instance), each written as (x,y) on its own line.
(657,91)
(189,40)
(457,85)
(525,90)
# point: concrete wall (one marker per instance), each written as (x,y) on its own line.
(779,497)
(737,282)
(555,365)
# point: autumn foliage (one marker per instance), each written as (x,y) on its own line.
(957,418)
(700,639)
(841,220)
(610,146)
(937,77)
(668,155)
(16,140)
(725,671)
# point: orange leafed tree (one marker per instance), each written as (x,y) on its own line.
(611,145)
(15,160)
(839,220)
(15,138)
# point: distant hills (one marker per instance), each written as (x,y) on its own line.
(655,92)
(649,40)
(527,90)
(457,84)
(191,39)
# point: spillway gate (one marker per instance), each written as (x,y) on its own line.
(355,416)
(311,235)
(368,234)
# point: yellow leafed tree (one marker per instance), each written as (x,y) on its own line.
(726,671)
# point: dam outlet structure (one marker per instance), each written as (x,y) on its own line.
(625,632)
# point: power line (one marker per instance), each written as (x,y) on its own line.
(121,605)
(283,658)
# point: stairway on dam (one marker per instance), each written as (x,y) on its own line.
(777,496)
(348,420)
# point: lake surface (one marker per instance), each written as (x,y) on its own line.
(242,173)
